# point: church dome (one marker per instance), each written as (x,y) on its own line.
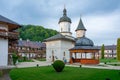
(64,17)
(83,41)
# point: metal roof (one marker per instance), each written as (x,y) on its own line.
(31,44)
(109,47)
(80,26)
(64,17)
(85,47)
(60,37)
(84,41)
(4,19)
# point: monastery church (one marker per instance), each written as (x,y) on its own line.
(58,46)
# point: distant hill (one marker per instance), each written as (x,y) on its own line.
(35,32)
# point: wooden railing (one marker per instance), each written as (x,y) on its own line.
(29,51)
(13,35)
(12,50)
(85,61)
(9,35)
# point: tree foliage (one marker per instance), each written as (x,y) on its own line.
(102,51)
(118,49)
(35,32)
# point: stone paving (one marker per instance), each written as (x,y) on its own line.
(97,66)
(32,64)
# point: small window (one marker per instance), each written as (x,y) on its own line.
(64,54)
(69,29)
(61,29)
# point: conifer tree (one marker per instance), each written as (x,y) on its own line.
(102,51)
(118,49)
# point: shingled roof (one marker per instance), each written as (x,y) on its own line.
(4,19)
(80,25)
(31,44)
(11,24)
(85,48)
(59,37)
(109,47)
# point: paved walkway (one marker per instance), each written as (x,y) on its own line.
(5,77)
(98,66)
(5,72)
(33,64)
(45,63)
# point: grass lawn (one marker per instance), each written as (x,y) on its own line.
(108,60)
(115,64)
(69,73)
(26,60)
(0,73)
(42,59)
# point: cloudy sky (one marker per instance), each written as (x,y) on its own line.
(100,17)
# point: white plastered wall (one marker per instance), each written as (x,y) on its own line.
(3,52)
(58,48)
(80,33)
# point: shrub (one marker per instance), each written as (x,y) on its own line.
(0,73)
(58,65)
(24,58)
(15,58)
(105,62)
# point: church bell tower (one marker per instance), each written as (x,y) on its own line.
(65,24)
(80,31)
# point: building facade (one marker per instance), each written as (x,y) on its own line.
(31,49)
(57,47)
(8,39)
(110,51)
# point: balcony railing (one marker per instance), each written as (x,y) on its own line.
(9,35)
(12,50)
(13,35)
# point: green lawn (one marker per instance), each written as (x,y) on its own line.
(26,60)
(42,59)
(0,73)
(69,73)
(108,60)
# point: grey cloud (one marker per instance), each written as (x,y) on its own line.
(48,12)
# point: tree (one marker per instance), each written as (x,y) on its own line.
(35,32)
(102,51)
(118,49)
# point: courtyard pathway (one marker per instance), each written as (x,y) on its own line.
(33,64)
(5,77)
(45,63)
(97,66)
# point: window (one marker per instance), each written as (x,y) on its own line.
(64,54)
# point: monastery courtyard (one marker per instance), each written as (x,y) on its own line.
(39,64)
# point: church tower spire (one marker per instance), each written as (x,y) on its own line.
(80,31)
(64,12)
(65,23)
